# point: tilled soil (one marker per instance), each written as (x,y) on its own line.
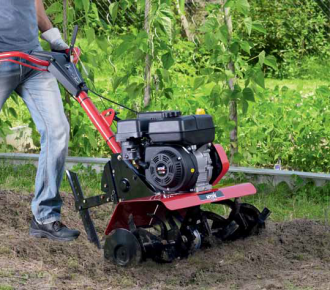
(290,255)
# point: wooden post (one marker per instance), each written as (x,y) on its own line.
(184,22)
(231,84)
(65,21)
(148,61)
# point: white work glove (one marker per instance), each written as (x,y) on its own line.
(54,38)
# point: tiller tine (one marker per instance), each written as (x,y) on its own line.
(228,231)
(263,216)
(243,221)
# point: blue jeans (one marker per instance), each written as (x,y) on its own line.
(40,92)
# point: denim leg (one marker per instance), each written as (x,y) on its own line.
(9,80)
(41,94)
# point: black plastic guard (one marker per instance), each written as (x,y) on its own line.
(108,184)
(130,184)
(64,71)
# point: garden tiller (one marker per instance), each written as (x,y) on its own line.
(163,169)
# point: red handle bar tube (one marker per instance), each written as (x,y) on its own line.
(99,121)
(5,56)
(86,103)
(25,56)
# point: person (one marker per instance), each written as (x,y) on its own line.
(20,21)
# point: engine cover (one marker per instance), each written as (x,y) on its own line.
(171,168)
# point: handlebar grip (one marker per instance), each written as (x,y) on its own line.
(76,54)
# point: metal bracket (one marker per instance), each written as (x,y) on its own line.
(109,115)
(85,203)
(84,212)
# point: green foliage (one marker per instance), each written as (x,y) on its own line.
(4,128)
(6,287)
(22,177)
(273,124)
(307,201)
(295,29)
(224,52)
(308,68)
(285,125)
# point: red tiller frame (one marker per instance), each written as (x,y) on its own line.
(102,121)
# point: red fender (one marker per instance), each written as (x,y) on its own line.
(224,160)
(143,208)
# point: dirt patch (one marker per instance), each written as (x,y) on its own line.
(290,255)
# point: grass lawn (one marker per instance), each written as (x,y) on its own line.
(301,85)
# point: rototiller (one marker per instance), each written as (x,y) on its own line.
(164,167)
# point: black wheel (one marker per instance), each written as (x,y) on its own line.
(122,248)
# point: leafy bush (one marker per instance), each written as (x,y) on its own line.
(273,124)
(285,125)
(308,68)
(295,30)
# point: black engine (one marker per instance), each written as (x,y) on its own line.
(170,150)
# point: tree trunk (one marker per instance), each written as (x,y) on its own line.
(147,70)
(184,22)
(65,37)
(65,20)
(231,83)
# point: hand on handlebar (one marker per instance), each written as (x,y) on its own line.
(54,38)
